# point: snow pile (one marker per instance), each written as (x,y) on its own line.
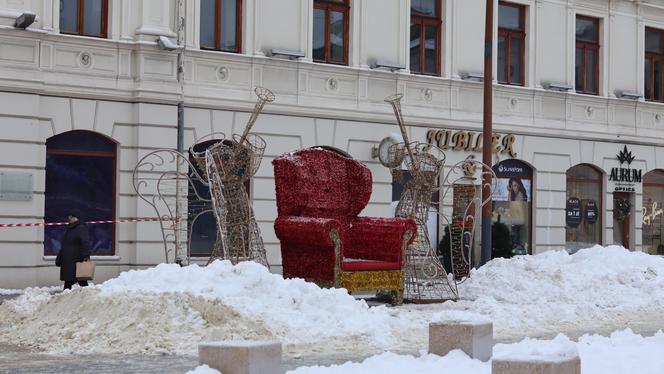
(170,309)
(595,289)
(14,292)
(558,349)
(203,369)
(622,352)
(391,363)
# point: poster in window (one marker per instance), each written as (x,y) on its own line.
(573,212)
(591,212)
(512,189)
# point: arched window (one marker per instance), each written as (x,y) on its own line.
(512,209)
(80,176)
(583,211)
(653,209)
(201,221)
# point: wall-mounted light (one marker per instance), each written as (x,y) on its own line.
(387,66)
(291,55)
(166,44)
(24,20)
(472,76)
(630,95)
(560,87)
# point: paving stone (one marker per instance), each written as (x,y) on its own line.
(536,366)
(474,338)
(242,356)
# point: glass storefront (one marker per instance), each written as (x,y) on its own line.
(653,219)
(583,208)
(512,209)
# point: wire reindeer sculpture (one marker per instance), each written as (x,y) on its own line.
(181,191)
(417,167)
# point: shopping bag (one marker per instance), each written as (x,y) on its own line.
(85,270)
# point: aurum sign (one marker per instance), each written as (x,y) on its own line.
(625,177)
(462,140)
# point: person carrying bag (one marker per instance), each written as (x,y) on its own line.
(74,256)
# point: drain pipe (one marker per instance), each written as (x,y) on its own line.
(180,74)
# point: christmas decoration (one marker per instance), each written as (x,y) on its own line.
(319,196)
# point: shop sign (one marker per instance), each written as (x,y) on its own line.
(512,168)
(625,178)
(591,212)
(471,141)
(573,211)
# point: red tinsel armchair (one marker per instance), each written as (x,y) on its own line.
(319,196)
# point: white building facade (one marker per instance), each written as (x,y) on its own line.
(85,92)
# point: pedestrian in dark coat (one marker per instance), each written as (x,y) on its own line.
(75,247)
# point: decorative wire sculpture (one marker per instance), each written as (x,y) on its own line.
(417,166)
(229,165)
(164,178)
(180,194)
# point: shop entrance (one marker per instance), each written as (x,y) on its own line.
(622,209)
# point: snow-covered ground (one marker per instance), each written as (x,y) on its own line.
(168,309)
(622,352)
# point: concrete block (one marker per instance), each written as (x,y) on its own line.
(473,337)
(536,366)
(241,357)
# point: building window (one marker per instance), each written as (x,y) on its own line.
(84,17)
(202,223)
(221,25)
(583,211)
(330,44)
(425,35)
(512,209)
(80,176)
(587,55)
(653,212)
(511,43)
(654,69)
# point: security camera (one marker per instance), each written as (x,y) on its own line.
(24,20)
(166,44)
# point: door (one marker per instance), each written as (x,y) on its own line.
(622,212)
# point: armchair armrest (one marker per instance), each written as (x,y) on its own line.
(380,238)
(305,230)
(310,248)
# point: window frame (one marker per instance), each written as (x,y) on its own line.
(342,6)
(510,34)
(80,21)
(426,20)
(654,57)
(101,154)
(586,46)
(217,29)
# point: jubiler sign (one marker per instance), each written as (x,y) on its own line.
(470,141)
(625,177)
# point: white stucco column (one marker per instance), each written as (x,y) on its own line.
(156,18)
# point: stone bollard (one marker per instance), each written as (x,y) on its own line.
(557,356)
(241,356)
(475,338)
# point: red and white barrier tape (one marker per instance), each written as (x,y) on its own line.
(125,220)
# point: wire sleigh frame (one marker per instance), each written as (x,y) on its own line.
(418,167)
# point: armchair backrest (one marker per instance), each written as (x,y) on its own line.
(317,182)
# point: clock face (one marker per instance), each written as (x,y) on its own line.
(386,158)
(383,151)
